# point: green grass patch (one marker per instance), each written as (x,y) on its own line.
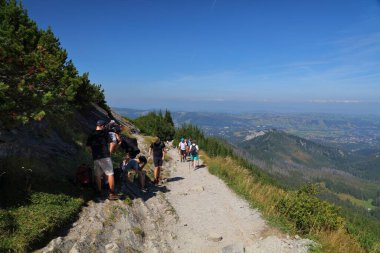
(363,203)
(28,226)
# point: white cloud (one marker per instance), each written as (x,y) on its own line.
(335,101)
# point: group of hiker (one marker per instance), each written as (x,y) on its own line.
(188,148)
(104,140)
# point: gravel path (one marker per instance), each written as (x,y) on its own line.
(214,219)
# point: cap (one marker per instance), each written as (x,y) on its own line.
(100,122)
(182,139)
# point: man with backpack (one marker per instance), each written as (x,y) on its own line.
(194,150)
(99,142)
(158,150)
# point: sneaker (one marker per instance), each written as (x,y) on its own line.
(113,196)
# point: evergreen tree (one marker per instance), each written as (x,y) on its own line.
(35,76)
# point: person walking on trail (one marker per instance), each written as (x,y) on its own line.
(157,148)
(194,153)
(189,142)
(182,149)
(137,165)
(99,142)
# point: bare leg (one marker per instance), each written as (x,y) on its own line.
(111,183)
(142,179)
(157,174)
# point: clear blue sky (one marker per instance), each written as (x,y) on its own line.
(219,55)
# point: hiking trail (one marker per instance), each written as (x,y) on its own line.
(193,211)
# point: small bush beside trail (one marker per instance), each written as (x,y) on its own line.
(310,213)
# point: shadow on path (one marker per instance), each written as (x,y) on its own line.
(199,166)
(173,179)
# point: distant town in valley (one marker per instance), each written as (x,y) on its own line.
(355,133)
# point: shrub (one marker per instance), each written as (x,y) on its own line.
(310,213)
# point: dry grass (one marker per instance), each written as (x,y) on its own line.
(338,242)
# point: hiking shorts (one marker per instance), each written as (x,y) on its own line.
(157,161)
(194,157)
(103,165)
(183,152)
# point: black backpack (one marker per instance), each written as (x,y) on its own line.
(193,150)
(130,146)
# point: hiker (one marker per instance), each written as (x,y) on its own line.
(137,165)
(182,149)
(99,142)
(158,150)
(114,134)
(189,142)
(194,150)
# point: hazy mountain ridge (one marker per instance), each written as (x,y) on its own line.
(350,132)
(341,150)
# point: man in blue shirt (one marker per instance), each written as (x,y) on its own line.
(137,166)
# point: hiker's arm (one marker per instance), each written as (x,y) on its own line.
(142,167)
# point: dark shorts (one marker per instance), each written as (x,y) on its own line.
(157,161)
(183,152)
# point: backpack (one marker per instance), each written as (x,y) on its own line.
(130,146)
(84,175)
(193,150)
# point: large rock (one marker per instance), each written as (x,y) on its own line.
(233,248)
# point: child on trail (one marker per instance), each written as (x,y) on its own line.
(182,149)
(99,142)
(137,166)
(194,153)
(157,148)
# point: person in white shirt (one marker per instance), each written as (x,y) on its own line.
(182,149)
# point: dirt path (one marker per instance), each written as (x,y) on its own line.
(212,218)
(192,212)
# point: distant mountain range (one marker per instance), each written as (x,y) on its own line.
(357,133)
(287,152)
(341,151)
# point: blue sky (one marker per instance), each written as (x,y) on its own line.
(235,56)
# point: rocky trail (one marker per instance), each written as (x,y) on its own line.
(192,211)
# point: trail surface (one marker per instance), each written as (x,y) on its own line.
(193,211)
(212,218)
